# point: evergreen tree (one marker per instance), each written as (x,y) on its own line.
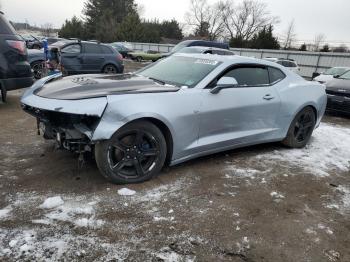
(303,47)
(171,29)
(73,28)
(325,48)
(103,16)
(264,39)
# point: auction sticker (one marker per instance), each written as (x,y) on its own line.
(206,62)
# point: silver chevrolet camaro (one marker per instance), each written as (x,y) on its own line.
(179,108)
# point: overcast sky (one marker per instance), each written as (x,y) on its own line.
(330,17)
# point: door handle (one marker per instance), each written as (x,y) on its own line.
(268,97)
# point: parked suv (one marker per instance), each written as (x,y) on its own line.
(87,57)
(15,71)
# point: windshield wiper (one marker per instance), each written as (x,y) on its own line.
(157,80)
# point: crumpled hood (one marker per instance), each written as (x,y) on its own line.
(339,85)
(91,86)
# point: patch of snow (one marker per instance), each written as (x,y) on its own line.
(52,202)
(88,222)
(126,192)
(327,151)
(343,206)
(277,195)
(4,213)
(243,173)
(157,219)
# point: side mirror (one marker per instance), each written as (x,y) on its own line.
(223,83)
(336,76)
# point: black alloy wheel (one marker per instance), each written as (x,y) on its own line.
(300,131)
(134,154)
(304,126)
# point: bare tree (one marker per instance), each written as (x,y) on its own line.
(47,29)
(246,19)
(289,36)
(319,39)
(205,20)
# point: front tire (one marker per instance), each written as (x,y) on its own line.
(301,129)
(134,154)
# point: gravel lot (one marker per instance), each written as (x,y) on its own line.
(262,203)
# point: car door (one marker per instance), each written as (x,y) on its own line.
(246,113)
(93,58)
(71,58)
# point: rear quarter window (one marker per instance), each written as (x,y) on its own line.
(106,50)
(5,27)
(276,75)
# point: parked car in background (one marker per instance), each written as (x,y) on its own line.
(205,50)
(191,43)
(150,55)
(122,49)
(184,106)
(15,71)
(338,93)
(52,40)
(33,42)
(289,63)
(36,59)
(84,57)
(329,74)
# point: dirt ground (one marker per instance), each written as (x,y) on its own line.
(262,203)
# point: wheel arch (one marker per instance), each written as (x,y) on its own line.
(165,131)
(36,61)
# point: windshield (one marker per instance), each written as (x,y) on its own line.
(345,76)
(180,71)
(336,71)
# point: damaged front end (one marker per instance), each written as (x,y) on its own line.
(72,132)
(70,122)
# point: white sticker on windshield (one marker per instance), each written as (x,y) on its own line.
(206,62)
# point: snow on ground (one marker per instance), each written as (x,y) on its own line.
(342,206)
(329,149)
(68,225)
(4,213)
(126,192)
(52,202)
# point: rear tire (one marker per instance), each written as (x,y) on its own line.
(134,154)
(301,129)
(110,69)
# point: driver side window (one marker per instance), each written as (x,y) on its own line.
(250,76)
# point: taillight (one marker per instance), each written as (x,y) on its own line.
(20,46)
(120,57)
